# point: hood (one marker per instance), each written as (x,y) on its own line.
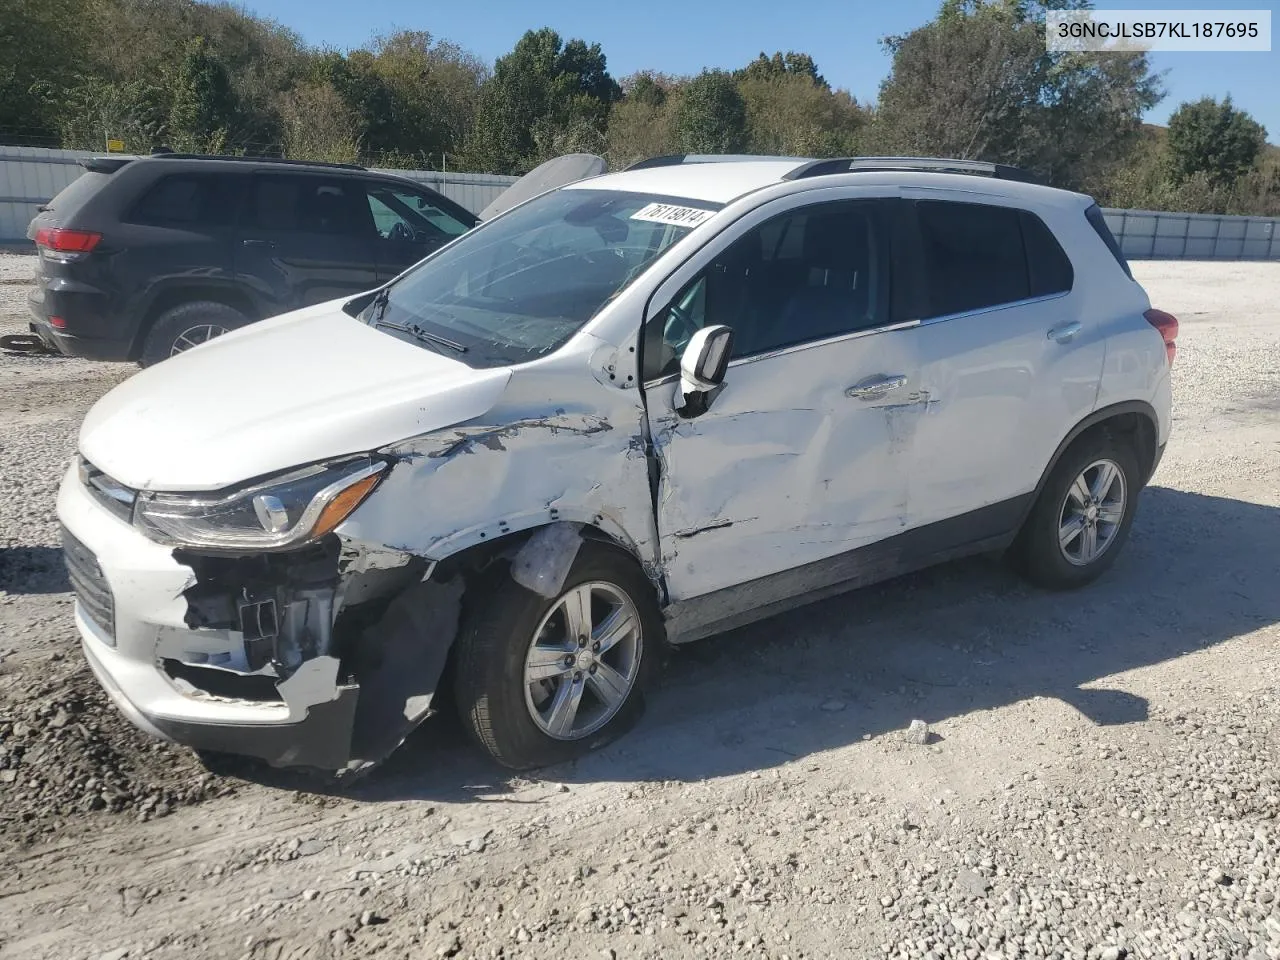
(294,389)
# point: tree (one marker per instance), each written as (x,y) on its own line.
(203,105)
(543,95)
(712,117)
(977,82)
(38,40)
(317,124)
(782,66)
(1215,139)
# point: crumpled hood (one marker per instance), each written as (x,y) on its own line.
(297,388)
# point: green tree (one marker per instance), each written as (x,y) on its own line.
(1215,139)
(203,107)
(977,82)
(317,124)
(782,66)
(712,117)
(39,41)
(544,96)
(791,116)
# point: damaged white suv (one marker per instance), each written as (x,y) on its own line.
(631,411)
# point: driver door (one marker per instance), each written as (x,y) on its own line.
(800,459)
(409,226)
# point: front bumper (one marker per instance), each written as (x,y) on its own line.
(306,720)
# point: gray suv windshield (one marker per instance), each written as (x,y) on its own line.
(517,288)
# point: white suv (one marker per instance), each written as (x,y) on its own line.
(631,411)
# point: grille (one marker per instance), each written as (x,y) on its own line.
(90,585)
(113,495)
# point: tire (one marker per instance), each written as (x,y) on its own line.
(1040,553)
(187,325)
(503,621)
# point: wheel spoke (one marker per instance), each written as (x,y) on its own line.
(1070,530)
(1079,492)
(544,663)
(1111,512)
(614,628)
(577,613)
(1089,542)
(1103,479)
(610,686)
(564,708)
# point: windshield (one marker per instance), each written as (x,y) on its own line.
(519,287)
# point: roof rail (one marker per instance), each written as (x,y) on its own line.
(675,159)
(296,163)
(999,171)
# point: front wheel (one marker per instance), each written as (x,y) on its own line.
(1083,515)
(542,680)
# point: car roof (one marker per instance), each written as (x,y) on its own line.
(714,182)
(722,181)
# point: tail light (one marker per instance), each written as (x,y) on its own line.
(64,245)
(1167,324)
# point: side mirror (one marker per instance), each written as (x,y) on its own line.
(702,368)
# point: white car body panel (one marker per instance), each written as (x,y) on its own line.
(230,410)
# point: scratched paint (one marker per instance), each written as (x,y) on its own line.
(784,468)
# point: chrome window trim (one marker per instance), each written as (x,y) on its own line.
(1026,301)
(797,347)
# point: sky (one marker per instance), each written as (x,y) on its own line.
(683,36)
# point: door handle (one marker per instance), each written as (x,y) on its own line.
(1066,332)
(873,388)
(266,244)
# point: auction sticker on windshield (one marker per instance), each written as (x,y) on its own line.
(672,214)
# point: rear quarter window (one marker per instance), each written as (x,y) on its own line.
(74,195)
(1099,224)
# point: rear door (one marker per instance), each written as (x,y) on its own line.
(1009,362)
(410,224)
(306,238)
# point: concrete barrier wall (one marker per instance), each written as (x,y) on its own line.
(29,176)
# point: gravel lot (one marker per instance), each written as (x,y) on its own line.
(1100,780)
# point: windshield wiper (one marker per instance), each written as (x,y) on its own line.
(379,304)
(417,332)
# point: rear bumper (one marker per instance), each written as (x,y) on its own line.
(89,328)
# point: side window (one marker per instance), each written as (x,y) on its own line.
(812,273)
(973,254)
(207,199)
(1048,268)
(308,205)
(405,215)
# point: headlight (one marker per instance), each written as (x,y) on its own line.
(273,514)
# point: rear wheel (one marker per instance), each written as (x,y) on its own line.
(543,680)
(188,325)
(1082,517)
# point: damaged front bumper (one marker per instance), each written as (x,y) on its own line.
(326,659)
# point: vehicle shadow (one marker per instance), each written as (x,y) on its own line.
(960,638)
(33,570)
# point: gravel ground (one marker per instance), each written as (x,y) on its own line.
(1098,778)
